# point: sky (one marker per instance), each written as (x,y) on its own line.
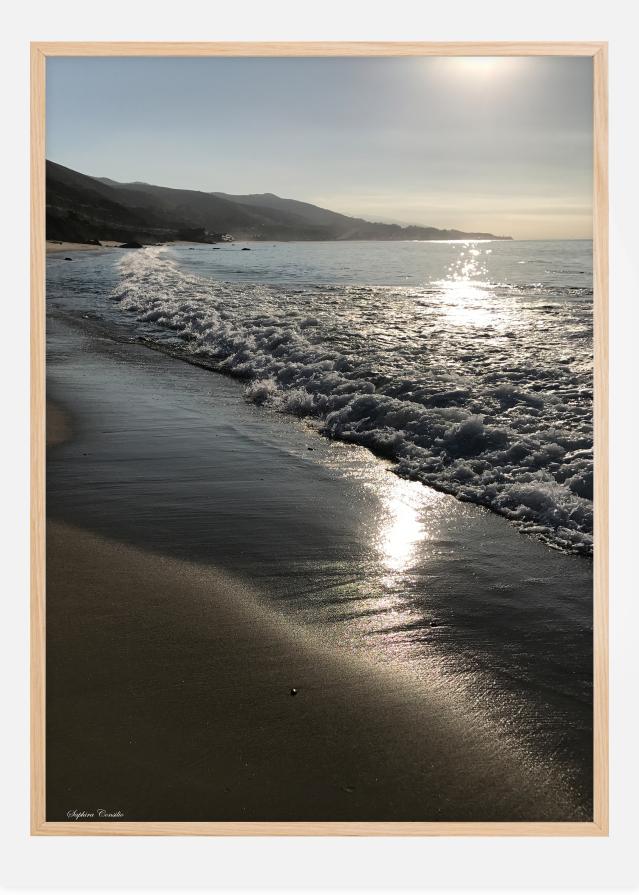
(502,145)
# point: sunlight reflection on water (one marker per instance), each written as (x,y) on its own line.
(467,296)
(403,525)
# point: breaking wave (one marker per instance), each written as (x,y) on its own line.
(482,391)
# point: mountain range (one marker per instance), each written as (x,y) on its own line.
(85,209)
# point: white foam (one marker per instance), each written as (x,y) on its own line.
(475,396)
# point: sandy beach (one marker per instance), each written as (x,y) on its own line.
(182,709)
(206,557)
(53,246)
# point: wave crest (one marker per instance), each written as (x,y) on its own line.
(486,409)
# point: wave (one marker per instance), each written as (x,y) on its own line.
(486,401)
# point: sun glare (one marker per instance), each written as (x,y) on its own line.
(403,524)
(477,69)
(479,65)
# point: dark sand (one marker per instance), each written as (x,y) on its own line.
(58,427)
(169,699)
(202,562)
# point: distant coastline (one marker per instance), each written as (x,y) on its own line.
(81,209)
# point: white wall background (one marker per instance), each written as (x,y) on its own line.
(110,863)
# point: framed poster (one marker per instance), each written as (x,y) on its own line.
(319,357)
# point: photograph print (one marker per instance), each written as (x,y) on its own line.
(319,426)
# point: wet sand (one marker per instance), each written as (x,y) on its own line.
(202,561)
(169,694)
(58,425)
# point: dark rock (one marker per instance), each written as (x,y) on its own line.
(245,249)
(68,259)
(131,245)
(93,242)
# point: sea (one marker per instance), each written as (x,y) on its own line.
(468,364)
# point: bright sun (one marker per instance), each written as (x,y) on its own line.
(479,65)
(476,71)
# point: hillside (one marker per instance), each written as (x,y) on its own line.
(82,208)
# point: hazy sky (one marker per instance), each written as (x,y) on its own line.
(503,145)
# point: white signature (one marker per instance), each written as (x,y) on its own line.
(103,813)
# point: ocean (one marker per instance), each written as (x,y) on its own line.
(468,364)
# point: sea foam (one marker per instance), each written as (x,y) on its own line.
(483,391)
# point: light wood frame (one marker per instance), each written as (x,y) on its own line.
(599,825)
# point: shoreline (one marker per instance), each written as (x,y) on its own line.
(53,246)
(242,485)
(183,710)
(551,505)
